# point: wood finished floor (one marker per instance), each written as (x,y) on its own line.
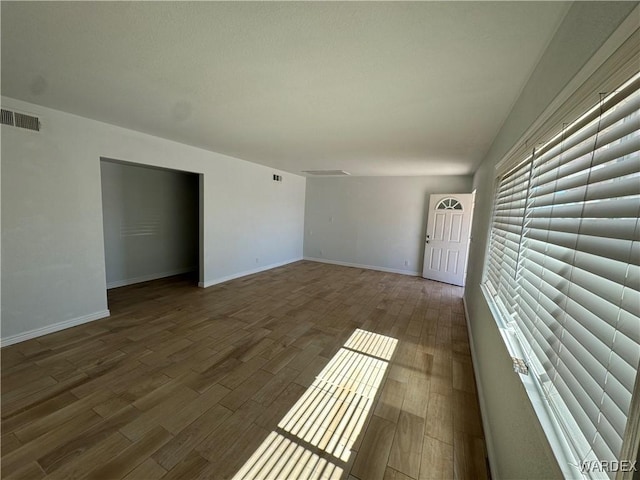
(187,383)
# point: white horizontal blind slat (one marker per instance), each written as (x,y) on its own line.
(599,144)
(628,185)
(509,209)
(614,107)
(573,174)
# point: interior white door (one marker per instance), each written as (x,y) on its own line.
(447,242)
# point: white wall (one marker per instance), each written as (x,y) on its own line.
(377,222)
(151,222)
(53,267)
(517,445)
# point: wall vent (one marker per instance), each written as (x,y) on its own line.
(27,121)
(7,117)
(20,120)
(326,172)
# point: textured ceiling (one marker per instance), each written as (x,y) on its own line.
(372,88)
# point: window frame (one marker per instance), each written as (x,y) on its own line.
(604,72)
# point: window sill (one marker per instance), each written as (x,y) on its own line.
(568,462)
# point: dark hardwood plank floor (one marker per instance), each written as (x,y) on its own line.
(305,371)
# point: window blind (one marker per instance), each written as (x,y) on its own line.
(564,269)
(509,209)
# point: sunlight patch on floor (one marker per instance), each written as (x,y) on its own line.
(314,439)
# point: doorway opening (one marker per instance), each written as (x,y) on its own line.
(152,223)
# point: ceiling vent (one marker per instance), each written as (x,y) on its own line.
(20,120)
(333,173)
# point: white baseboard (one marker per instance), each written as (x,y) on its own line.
(367,267)
(56,327)
(488,439)
(216,281)
(146,278)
